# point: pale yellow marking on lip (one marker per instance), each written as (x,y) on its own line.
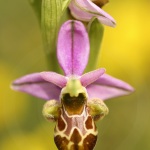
(61,132)
(70,144)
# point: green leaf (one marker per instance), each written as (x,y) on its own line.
(95,31)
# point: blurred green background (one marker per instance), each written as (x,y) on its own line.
(125,53)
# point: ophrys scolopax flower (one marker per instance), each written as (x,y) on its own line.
(74,100)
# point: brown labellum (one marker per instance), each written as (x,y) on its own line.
(75,132)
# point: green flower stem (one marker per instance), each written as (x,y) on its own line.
(95,31)
(50,22)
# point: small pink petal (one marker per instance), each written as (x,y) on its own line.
(54,78)
(92,76)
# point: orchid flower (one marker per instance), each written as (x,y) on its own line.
(72,53)
(74,100)
(85,10)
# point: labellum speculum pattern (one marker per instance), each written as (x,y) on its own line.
(74,100)
(76,131)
